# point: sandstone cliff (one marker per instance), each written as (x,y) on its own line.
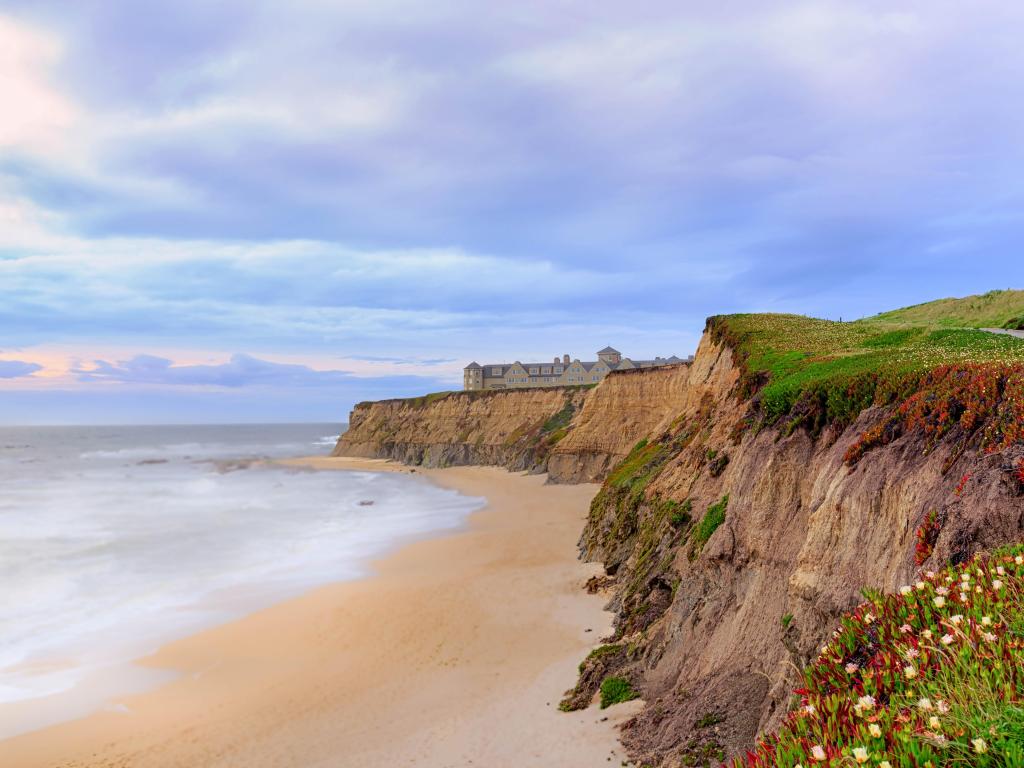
(509,428)
(627,406)
(730,548)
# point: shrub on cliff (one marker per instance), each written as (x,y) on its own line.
(615,690)
(933,675)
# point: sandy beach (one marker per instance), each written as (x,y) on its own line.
(455,653)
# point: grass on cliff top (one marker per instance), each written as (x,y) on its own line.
(843,364)
(995,309)
(933,675)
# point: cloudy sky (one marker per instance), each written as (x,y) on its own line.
(261,211)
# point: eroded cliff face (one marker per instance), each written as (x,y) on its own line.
(730,552)
(625,407)
(733,553)
(509,428)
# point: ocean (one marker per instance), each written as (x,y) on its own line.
(115,540)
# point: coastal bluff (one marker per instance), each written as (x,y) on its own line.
(732,538)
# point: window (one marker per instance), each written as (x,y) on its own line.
(534,371)
(559,369)
(495,371)
(546,369)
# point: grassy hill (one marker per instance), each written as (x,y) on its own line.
(807,372)
(995,309)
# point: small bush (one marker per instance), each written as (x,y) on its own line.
(679,514)
(708,524)
(787,620)
(615,690)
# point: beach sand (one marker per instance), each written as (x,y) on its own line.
(455,653)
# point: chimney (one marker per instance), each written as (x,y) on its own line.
(565,359)
(556,359)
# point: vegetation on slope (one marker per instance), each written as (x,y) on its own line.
(812,373)
(995,309)
(933,676)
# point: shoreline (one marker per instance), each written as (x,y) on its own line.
(475,635)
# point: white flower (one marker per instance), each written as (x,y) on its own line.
(909,672)
(933,723)
(905,628)
(818,753)
(955,618)
(943,706)
(1019,559)
(965,577)
(949,579)
(979,744)
(851,668)
(1000,570)
(925,704)
(874,730)
(978,589)
(947,639)
(997,584)
(941,591)
(906,589)
(868,618)
(866,702)
(963,597)
(911,653)
(885,764)
(939,601)
(927,634)
(920,585)
(979,572)
(989,637)
(860,755)
(930,574)
(986,621)
(809,709)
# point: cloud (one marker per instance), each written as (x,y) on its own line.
(36,114)
(14,369)
(406,181)
(240,371)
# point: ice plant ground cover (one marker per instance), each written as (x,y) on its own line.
(930,676)
(807,372)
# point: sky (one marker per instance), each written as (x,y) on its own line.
(256,211)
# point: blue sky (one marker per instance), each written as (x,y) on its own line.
(269,211)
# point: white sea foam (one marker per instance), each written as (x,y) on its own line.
(105,554)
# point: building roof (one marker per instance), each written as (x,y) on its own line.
(474,364)
(609,351)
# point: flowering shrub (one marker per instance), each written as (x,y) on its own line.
(925,537)
(933,675)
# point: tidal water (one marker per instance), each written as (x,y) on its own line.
(115,540)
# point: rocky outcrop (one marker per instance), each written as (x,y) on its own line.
(730,550)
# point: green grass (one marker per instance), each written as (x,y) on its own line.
(995,309)
(708,524)
(931,675)
(615,690)
(827,372)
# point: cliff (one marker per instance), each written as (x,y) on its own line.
(733,551)
(750,497)
(515,429)
(627,406)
